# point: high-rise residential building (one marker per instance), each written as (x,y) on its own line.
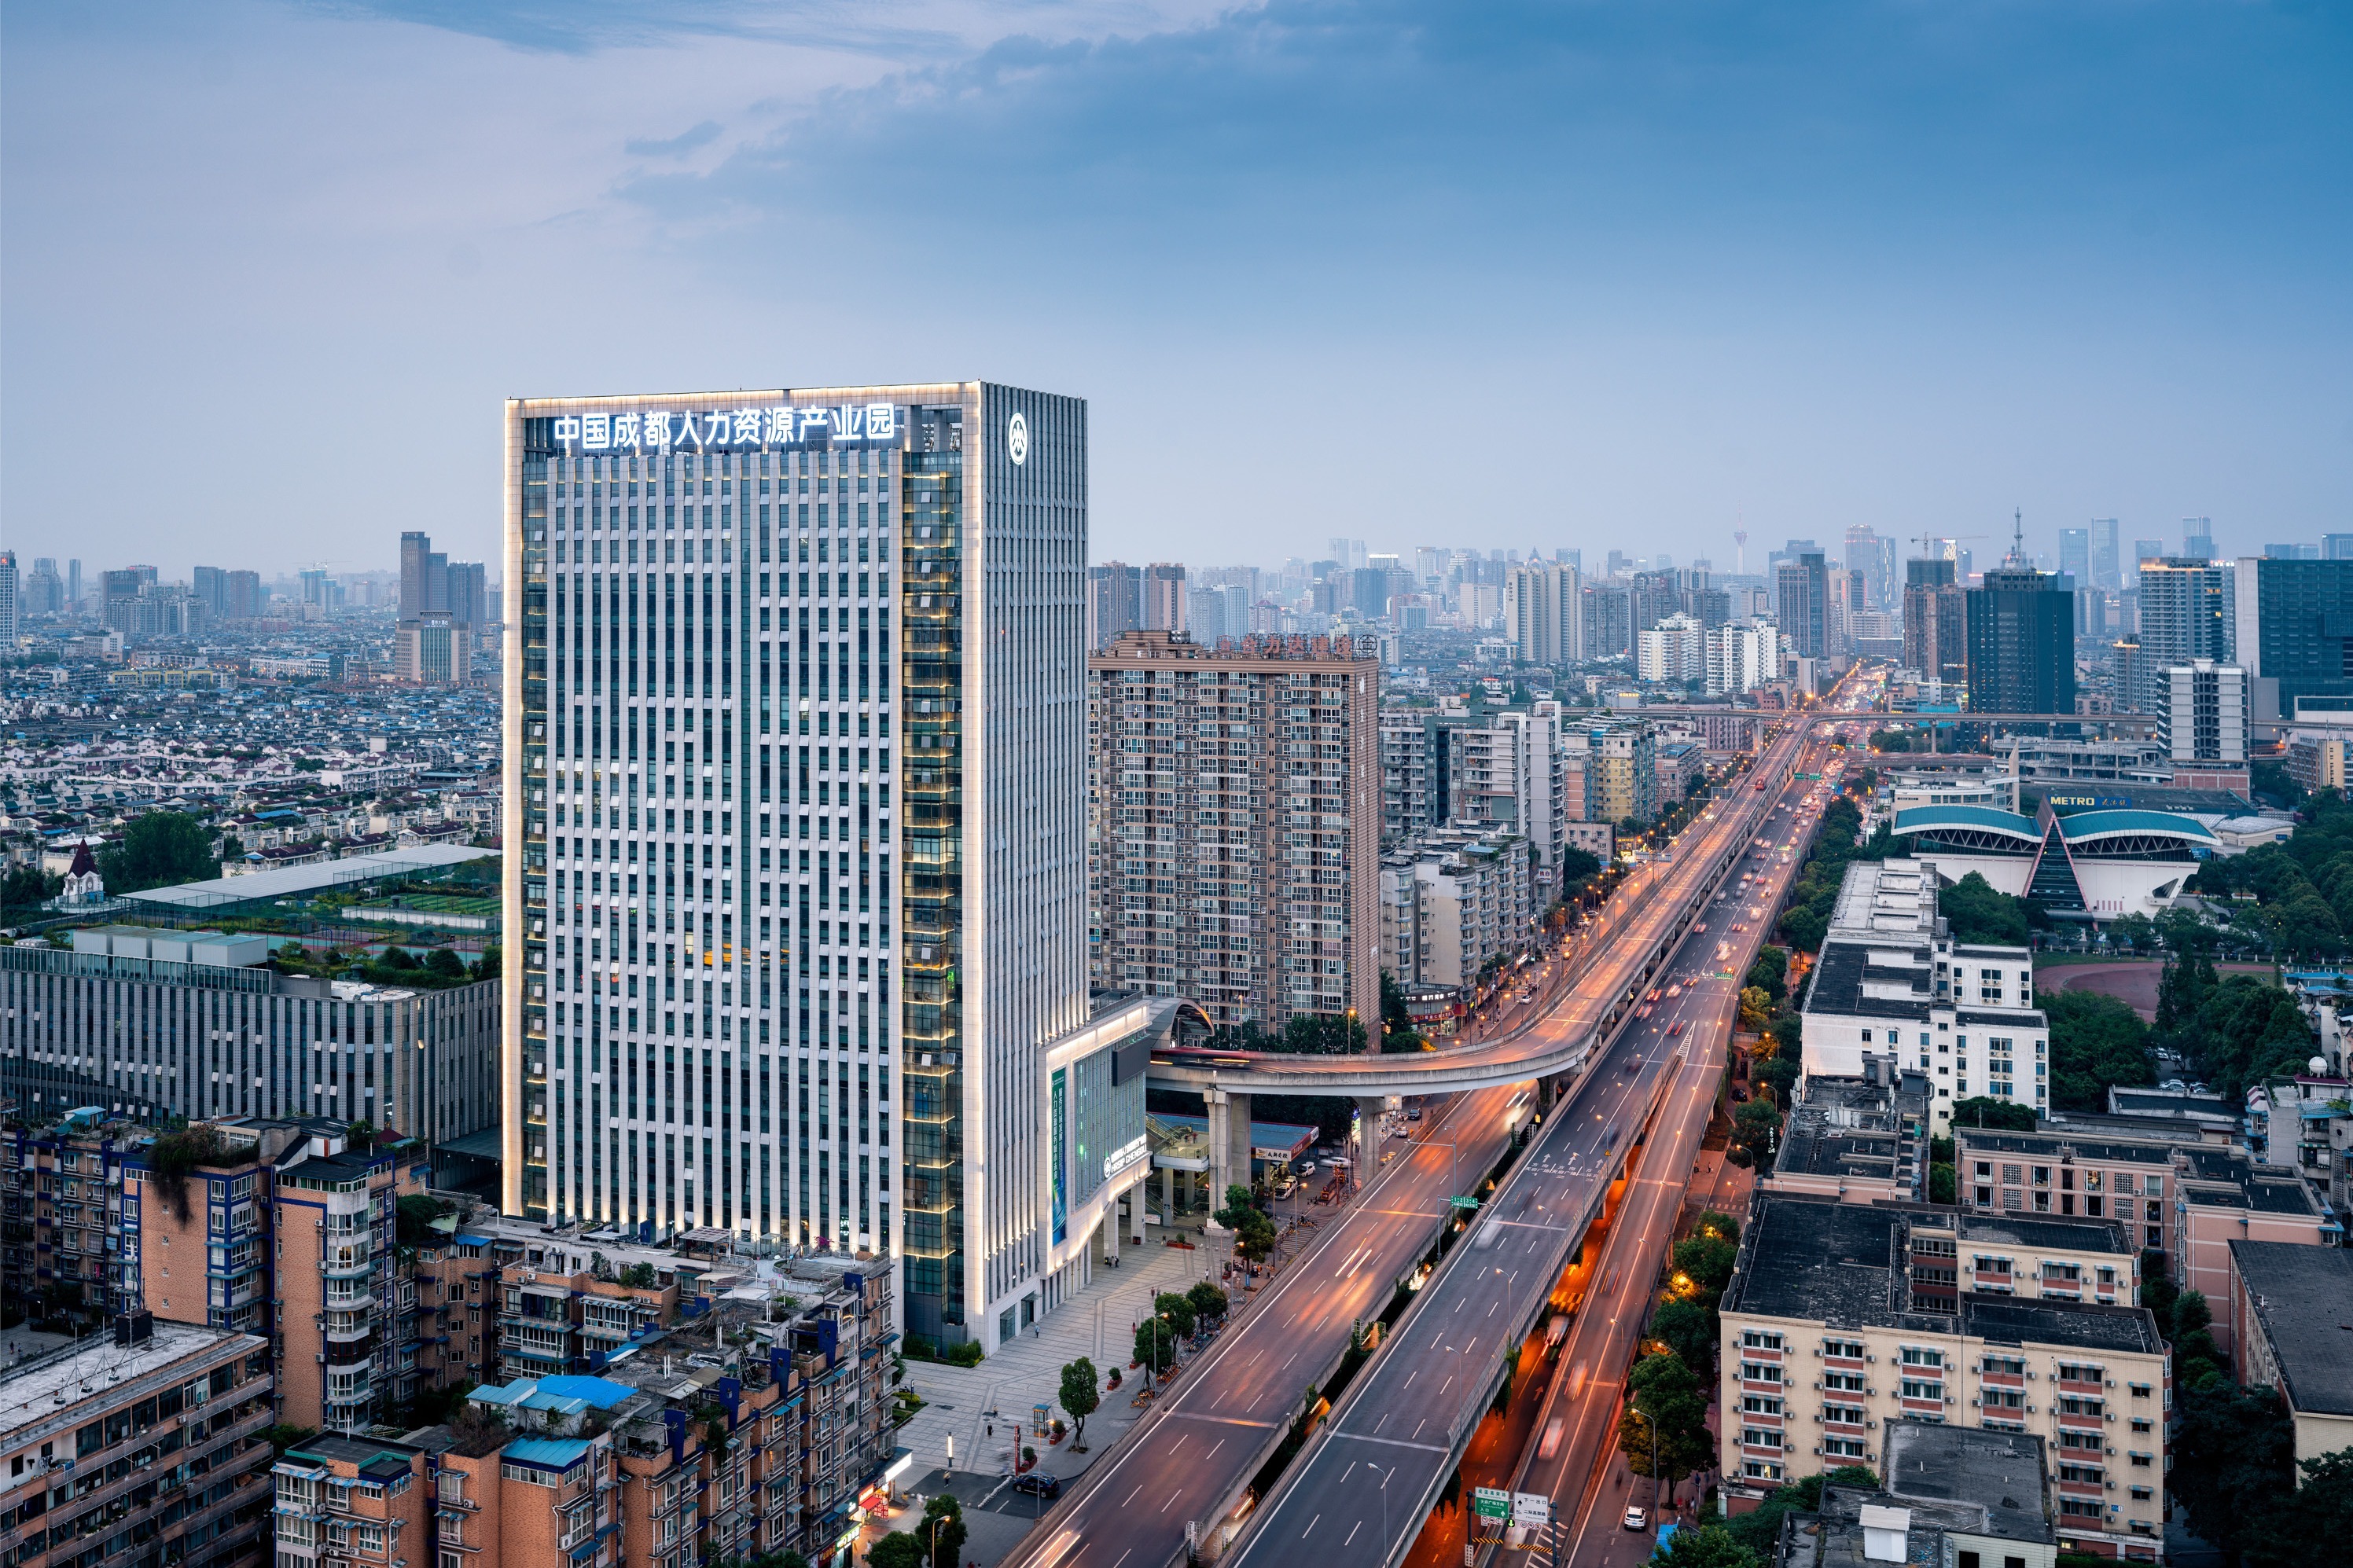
(2144,551)
(1222,611)
(288,1229)
(2075,555)
(1700,599)
(1416,769)
(211,584)
(2290,631)
(1875,558)
(2107,564)
(1511,775)
(1655,596)
(1115,601)
(2124,673)
(1617,760)
(2021,642)
(165,1425)
(1608,617)
(1163,589)
(44,591)
(797,795)
(1801,603)
(1454,901)
(8,618)
(1674,650)
(1741,657)
(1543,613)
(2333,547)
(245,600)
(2198,538)
(73,587)
(1264,906)
(2205,715)
(2188,612)
(468,594)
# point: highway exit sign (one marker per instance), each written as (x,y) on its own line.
(1487,1502)
(1464,1203)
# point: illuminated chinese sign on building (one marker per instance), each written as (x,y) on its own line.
(638,432)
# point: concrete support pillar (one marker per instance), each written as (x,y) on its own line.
(1370,1109)
(1229,1144)
(1111,1233)
(1135,1196)
(1168,1195)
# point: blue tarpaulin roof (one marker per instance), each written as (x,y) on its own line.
(600,1391)
(547,1453)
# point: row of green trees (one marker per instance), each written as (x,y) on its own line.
(2237,1029)
(2305,885)
(2233,1451)
(1814,895)
(1976,910)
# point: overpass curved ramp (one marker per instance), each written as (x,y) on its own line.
(1613,964)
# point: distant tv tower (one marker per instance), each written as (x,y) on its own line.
(1740,552)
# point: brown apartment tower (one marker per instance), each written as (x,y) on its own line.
(1234,842)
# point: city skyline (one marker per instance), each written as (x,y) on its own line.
(1911,309)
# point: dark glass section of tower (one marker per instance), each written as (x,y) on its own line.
(932,653)
(2021,644)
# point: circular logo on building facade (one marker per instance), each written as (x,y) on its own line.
(1017,439)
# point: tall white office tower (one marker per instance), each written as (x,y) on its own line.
(795,809)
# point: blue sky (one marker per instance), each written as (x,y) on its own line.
(1505,275)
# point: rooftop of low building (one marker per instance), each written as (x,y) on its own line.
(1841,1264)
(94,1373)
(2303,1296)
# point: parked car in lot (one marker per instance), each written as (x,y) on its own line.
(1037,1484)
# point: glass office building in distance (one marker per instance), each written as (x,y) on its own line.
(796,751)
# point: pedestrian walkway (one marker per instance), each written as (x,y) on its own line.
(986,1408)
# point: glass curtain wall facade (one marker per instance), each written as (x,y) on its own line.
(2021,632)
(795,752)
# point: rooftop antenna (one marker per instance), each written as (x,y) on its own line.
(2018,536)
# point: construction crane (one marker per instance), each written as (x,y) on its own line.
(1925,540)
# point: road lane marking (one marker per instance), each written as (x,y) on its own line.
(1219,1420)
(1311,1525)
(1213,1449)
(1172,1498)
(1131,1497)
(1392,1443)
(1352,1536)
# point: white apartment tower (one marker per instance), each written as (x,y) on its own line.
(1674,650)
(1741,657)
(1543,613)
(2205,713)
(796,818)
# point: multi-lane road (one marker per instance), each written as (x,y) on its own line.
(1190,1459)
(1589,1373)
(1359,1496)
